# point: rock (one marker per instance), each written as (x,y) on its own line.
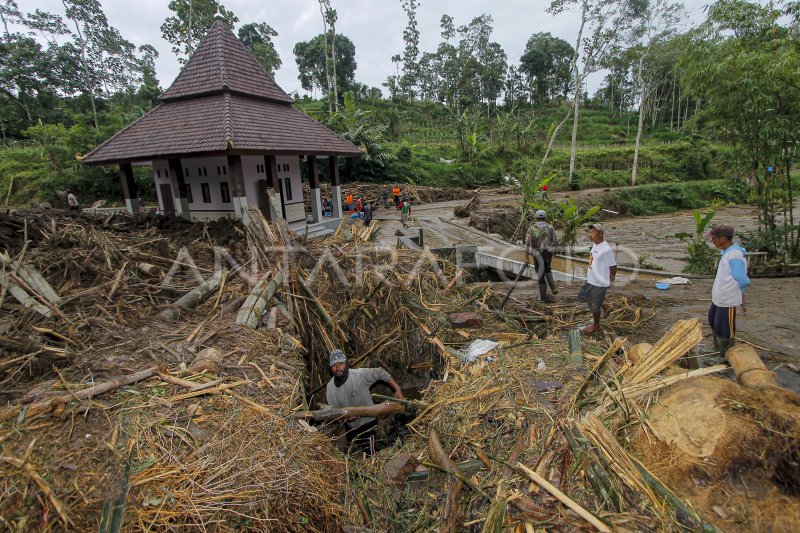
(466,320)
(398,469)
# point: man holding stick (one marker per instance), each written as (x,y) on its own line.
(349,387)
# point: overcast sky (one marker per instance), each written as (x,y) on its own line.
(374,26)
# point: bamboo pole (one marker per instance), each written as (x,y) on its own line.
(255,304)
(193,298)
(563,498)
(346,413)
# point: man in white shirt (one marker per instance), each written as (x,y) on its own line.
(727,293)
(599,277)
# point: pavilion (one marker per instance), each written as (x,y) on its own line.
(225,137)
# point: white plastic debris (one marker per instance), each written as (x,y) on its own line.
(677,280)
(541,365)
(476,349)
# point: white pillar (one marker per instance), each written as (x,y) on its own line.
(336,201)
(131,206)
(182,208)
(316,206)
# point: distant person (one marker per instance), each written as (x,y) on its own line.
(727,293)
(72,202)
(396,194)
(385,196)
(540,245)
(359,205)
(140,205)
(544,188)
(600,276)
(367,213)
(326,207)
(349,387)
(405,213)
(349,202)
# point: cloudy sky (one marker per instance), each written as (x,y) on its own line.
(374,26)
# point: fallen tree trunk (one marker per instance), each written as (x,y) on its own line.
(85,394)
(24,345)
(193,298)
(750,370)
(346,413)
(23,297)
(255,304)
(149,270)
(33,279)
(454,485)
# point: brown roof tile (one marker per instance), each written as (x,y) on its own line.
(221,101)
(216,124)
(220,62)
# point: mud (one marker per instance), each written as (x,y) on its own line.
(768,320)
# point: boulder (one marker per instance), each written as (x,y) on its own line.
(466,320)
(398,469)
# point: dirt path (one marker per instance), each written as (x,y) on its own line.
(773,305)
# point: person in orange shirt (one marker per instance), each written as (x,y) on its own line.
(349,202)
(396,193)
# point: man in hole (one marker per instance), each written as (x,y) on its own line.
(349,387)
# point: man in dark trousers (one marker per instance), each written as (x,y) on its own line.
(349,387)
(540,245)
(727,293)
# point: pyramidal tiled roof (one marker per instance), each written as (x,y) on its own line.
(220,62)
(222,102)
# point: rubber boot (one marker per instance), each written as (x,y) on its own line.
(542,292)
(543,296)
(725,345)
(551,282)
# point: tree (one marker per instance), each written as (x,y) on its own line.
(329,18)
(257,37)
(546,64)
(191,21)
(108,61)
(655,25)
(409,80)
(311,63)
(602,22)
(743,64)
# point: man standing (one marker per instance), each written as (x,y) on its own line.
(349,387)
(405,212)
(73,202)
(599,277)
(396,194)
(540,245)
(367,213)
(385,196)
(727,293)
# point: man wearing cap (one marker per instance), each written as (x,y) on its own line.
(599,276)
(727,292)
(540,245)
(350,388)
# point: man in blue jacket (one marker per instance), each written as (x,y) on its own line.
(727,292)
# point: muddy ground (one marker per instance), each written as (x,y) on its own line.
(769,321)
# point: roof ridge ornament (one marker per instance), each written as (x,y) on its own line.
(218,15)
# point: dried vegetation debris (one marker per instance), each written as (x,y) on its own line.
(106,422)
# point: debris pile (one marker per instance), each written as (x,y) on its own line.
(171,380)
